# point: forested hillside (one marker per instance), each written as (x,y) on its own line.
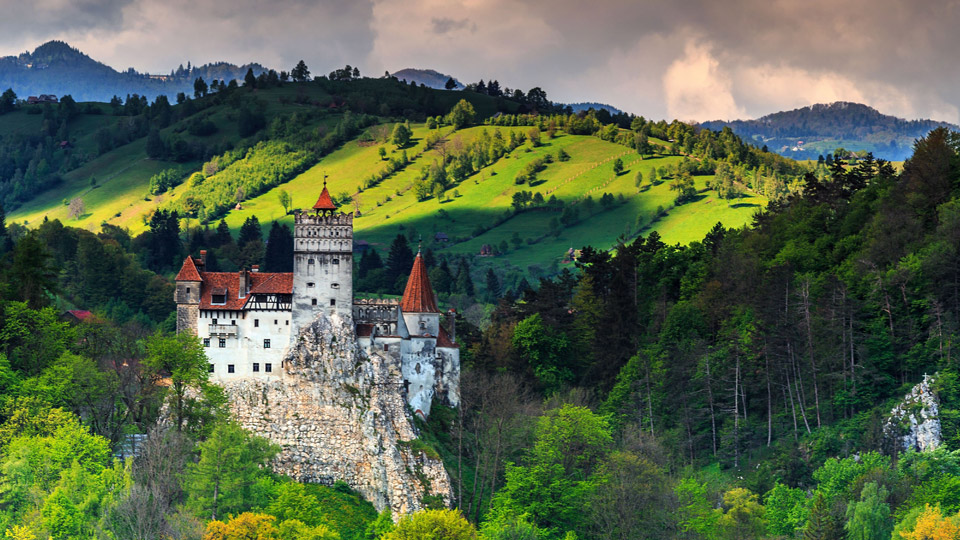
(818,130)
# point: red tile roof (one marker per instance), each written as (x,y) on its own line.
(80,314)
(229,282)
(418,295)
(443,340)
(324,202)
(188,272)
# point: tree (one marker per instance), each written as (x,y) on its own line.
(32,276)
(284,198)
(618,167)
(822,525)
(182,357)
(250,80)
(638,180)
(462,114)
(933,525)
(8,100)
(433,525)
(300,73)
(869,518)
(246,526)
(560,473)
(199,88)
(278,256)
(401,135)
(742,515)
(399,260)
(76,208)
(231,461)
(450,84)
(250,231)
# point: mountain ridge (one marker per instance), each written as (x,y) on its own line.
(852,126)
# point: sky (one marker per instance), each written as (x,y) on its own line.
(685,59)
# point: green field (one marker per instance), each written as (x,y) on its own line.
(473,213)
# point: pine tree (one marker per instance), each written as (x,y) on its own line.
(493,286)
(223,236)
(278,256)
(822,525)
(464,281)
(250,231)
(400,259)
(370,260)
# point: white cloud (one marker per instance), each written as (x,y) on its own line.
(696,88)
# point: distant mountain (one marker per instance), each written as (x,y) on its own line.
(428,77)
(809,132)
(587,105)
(57,68)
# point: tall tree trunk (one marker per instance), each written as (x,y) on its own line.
(805,293)
(713,417)
(766,361)
(736,415)
(798,381)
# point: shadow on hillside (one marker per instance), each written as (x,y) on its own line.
(745,205)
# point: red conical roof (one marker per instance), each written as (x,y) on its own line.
(188,272)
(324,202)
(418,295)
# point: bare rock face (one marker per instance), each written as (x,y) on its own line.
(339,414)
(914,424)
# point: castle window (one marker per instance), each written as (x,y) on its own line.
(206,342)
(256,367)
(386,347)
(233,323)
(214,321)
(310,284)
(230,368)
(335,261)
(210,368)
(188,290)
(266,344)
(223,343)
(313,301)
(268,368)
(276,321)
(309,261)
(333,301)
(334,285)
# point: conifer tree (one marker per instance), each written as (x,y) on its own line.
(399,261)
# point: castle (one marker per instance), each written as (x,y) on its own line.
(249,319)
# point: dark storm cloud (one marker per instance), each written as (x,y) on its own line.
(41,18)
(686,58)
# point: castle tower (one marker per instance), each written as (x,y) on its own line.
(419,307)
(322,262)
(187,294)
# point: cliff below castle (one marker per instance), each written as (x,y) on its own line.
(339,413)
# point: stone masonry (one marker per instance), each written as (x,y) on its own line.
(339,413)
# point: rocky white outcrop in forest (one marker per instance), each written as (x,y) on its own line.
(915,423)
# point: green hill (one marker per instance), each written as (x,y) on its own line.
(337,128)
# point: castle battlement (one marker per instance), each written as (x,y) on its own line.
(327,220)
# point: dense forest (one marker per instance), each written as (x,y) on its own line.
(736,387)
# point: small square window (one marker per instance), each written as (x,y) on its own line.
(336,261)
(214,321)
(268,368)
(333,301)
(233,323)
(223,343)
(386,347)
(309,261)
(206,343)
(230,368)
(276,321)
(188,290)
(210,368)
(266,344)
(310,284)
(313,302)
(256,367)
(256,323)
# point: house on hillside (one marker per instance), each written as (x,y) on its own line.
(75,316)
(441,237)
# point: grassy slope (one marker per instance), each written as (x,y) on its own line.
(123,174)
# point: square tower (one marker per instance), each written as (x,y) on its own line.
(322,263)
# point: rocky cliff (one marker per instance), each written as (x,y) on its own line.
(339,413)
(914,424)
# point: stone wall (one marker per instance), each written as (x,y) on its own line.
(339,413)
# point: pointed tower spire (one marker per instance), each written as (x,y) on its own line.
(324,203)
(418,294)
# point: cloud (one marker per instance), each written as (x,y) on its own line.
(687,57)
(696,88)
(443,25)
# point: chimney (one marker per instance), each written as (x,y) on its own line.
(452,324)
(255,268)
(203,258)
(242,293)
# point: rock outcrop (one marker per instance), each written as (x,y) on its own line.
(339,413)
(914,424)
